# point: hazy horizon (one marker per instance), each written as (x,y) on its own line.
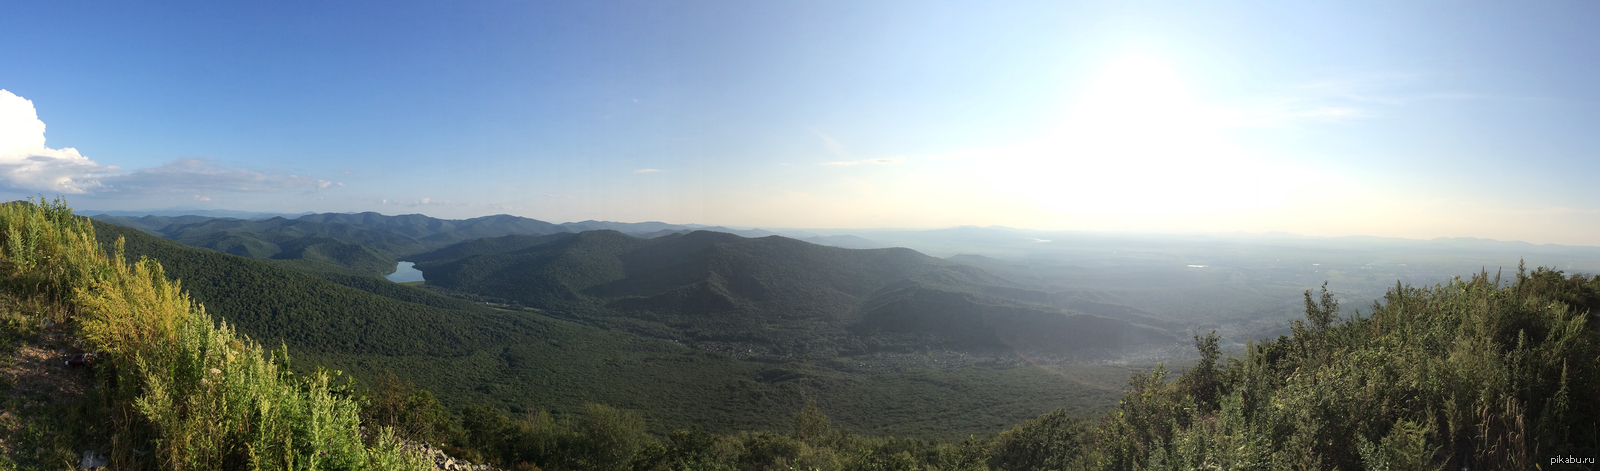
(826,231)
(1414,121)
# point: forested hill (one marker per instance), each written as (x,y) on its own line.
(435,232)
(469,354)
(371,242)
(367,242)
(313,315)
(771,296)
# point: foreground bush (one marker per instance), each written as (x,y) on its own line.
(182,392)
(1471,374)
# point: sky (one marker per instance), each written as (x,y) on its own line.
(1405,119)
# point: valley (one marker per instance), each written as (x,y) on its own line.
(561,352)
(692,329)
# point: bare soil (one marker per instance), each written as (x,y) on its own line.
(42,399)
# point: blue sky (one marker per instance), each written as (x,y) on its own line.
(1410,119)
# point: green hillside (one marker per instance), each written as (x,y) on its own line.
(774,298)
(367,242)
(965,322)
(274,304)
(166,387)
(1473,374)
(489,246)
(435,232)
(469,354)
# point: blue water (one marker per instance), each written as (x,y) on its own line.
(403,271)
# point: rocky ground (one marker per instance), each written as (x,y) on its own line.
(44,401)
(444,462)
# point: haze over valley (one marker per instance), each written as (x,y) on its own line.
(1244,286)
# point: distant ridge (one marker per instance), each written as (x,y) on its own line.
(773,298)
(468,353)
(371,242)
(368,242)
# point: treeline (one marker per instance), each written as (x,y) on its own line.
(1474,374)
(604,438)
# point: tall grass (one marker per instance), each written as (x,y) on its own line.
(180,391)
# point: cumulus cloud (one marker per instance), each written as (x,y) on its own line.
(25,162)
(879,161)
(647,170)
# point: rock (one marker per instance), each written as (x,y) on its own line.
(93,461)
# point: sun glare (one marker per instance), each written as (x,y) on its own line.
(1137,141)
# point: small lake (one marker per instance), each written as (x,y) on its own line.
(405,271)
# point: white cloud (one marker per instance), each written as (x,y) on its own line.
(420,202)
(205,175)
(1286,111)
(878,161)
(834,146)
(437,202)
(25,162)
(1377,88)
(647,170)
(1340,100)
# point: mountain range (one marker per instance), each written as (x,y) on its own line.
(773,297)
(371,241)
(696,328)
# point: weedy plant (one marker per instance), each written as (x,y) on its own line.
(180,391)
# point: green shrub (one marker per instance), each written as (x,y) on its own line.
(1052,441)
(414,414)
(181,392)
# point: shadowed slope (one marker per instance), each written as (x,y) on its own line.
(771,297)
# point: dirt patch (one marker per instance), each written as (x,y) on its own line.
(45,405)
(39,371)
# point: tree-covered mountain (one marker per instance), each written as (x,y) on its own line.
(1477,374)
(773,297)
(435,232)
(391,237)
(367,242)
(275,304)
(516,360)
